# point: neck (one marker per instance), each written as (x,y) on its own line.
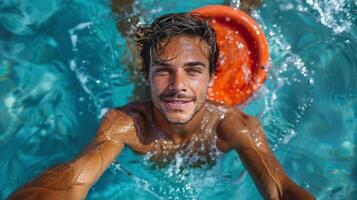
(179,133)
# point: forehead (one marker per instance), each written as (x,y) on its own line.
(184,46)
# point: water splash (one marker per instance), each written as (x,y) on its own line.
(338,15)
(145,185)
(287,70)
(333,14)
(180,173)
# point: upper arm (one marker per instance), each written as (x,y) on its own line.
(114,131)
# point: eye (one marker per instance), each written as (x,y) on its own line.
(193,71)
(162,71)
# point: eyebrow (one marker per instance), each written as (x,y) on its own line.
(194,63)
(188,64)
(161,63)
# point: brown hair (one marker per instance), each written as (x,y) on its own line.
(152,39)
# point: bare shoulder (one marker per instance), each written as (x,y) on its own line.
(235,115)
(232,114)
(120,124)
(127,125)
(115,126)
(237,129)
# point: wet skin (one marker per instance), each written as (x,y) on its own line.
(177,115)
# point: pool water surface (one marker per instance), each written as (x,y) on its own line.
(63,63)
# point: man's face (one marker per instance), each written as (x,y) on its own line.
(179,79)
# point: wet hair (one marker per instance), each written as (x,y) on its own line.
(152,39)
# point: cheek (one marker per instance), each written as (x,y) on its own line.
(196,83)
(200,85)
(157,84)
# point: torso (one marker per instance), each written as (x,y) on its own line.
(150,140)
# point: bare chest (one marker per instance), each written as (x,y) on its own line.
(200,149)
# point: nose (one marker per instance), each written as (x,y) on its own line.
(178,81)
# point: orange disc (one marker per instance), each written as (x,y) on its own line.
(244,55)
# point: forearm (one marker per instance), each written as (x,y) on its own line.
(245,134)
(72,180)
(265,174)
(56,183)
(292,191)
(270,178)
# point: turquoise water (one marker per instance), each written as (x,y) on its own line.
(63,63)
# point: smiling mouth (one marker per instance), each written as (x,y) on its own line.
(177,103)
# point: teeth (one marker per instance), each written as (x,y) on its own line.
(178,102)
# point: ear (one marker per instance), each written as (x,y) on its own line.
(211,80)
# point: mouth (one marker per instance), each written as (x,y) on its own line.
(177,103)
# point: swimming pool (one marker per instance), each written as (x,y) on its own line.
(62,63)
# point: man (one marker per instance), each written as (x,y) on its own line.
(178,55)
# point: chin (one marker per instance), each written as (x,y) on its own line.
(179,120)
(180,115)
